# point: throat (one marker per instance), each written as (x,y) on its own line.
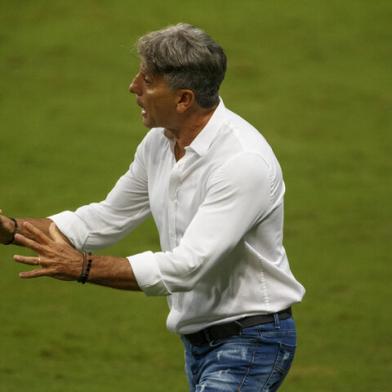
(179,152)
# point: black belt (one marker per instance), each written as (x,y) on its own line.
(223,331)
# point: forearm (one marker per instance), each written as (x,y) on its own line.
(57,259)
(114,272)
(10,226)
(40,223)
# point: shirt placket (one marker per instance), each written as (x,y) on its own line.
(174,184)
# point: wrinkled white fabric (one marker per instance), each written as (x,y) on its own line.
(219,213)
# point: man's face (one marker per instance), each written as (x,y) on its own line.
(157,100)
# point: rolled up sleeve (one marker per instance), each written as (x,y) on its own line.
(147,274)
(72,227)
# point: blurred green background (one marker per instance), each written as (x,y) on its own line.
(313,76)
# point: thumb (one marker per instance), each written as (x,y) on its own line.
(56,234)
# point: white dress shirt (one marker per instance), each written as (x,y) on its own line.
(219,213)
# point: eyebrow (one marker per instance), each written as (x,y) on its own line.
(143,68)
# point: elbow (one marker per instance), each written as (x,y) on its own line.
(182,285)
(183,275)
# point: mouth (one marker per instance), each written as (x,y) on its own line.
(143,111)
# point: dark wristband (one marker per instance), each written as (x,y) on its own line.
(87,261)
(13,233)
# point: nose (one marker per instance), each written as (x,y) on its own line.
(134,87)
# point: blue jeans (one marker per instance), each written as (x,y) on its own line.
(257,360)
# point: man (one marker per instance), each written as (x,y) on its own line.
(215,190)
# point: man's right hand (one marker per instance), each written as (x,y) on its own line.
(7,227)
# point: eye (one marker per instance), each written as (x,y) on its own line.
(146,79)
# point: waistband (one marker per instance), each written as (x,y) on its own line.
(233,328)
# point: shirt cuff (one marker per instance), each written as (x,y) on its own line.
(145,268)
(72,227)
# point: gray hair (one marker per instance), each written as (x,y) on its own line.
(188,58)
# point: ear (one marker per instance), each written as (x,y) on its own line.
(185,100)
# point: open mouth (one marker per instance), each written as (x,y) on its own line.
(143,111)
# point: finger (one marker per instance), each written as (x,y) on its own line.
(39,235)
(27,260)
(56,234)
(29,243)
(36,273)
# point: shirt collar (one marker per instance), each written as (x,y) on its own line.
(206,136)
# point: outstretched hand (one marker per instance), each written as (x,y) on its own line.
(55,257)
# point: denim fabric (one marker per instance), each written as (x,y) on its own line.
(257,360)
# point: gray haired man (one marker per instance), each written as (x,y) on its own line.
(215,190)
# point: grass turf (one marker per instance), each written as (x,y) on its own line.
(313,76)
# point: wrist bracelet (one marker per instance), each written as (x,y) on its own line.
(13,233)
(87,261)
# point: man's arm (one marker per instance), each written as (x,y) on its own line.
(8,228)
(238,196)
(57,259)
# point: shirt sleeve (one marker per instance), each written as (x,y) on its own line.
(240,194)
(101,224)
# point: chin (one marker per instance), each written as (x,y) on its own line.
(147,124)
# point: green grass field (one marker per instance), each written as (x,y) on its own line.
(314,76)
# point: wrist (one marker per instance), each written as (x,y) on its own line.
(13,227)
(86,266)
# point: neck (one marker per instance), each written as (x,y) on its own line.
(190,127)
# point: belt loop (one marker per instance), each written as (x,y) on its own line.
(276,320)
